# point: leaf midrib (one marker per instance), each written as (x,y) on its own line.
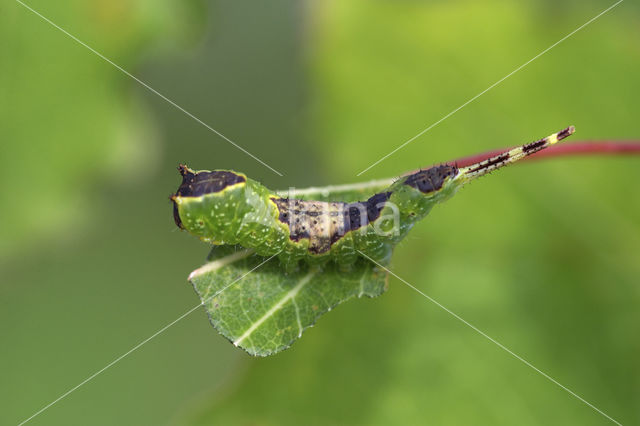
(289,296)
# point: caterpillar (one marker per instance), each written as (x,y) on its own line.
(225,207)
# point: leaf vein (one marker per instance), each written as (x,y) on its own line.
(290,295)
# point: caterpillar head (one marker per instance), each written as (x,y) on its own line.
(198,184)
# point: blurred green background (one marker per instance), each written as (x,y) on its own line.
(544,257)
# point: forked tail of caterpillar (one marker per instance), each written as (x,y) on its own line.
(486,166)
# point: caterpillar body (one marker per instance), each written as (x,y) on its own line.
(226,207)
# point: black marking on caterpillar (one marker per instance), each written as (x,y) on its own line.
(490,163)
(201,183)
(176,216)
(534,146)
(565,132)
(431,179)
(325,223)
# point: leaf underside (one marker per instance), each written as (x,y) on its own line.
(266,310)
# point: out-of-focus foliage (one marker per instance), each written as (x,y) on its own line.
(67,117)
(542,256)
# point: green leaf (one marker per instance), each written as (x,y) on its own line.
(102,133)
(258,307)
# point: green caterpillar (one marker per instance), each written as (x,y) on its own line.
(226,207)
